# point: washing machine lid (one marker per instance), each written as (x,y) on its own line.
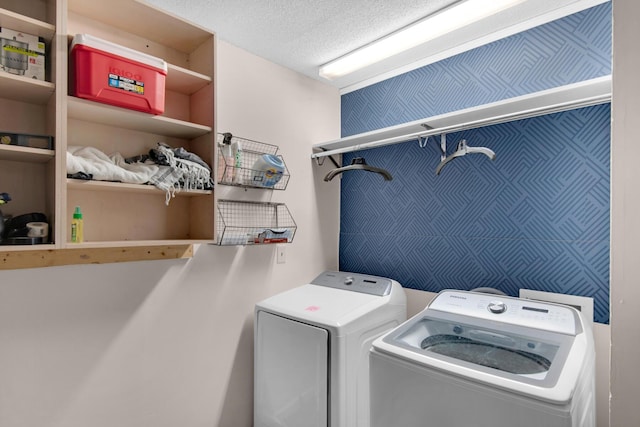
(333,300)
(537,348)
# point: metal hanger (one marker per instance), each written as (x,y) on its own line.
(461,150)
(358,163)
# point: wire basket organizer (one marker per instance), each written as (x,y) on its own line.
(251,223)
(247,174)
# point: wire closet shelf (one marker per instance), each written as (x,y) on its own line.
(244,172)
(253,223)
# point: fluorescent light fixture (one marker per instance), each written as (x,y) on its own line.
(429,28)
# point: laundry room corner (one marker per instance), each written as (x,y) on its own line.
(168,343)
(263,273)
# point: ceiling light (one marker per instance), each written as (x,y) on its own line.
(429,28)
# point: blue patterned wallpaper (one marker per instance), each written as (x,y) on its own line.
(536,217)
(568,50)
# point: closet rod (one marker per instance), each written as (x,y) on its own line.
(518,115)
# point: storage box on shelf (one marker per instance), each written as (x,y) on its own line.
(247,163)
(106,72)
(28,107)
(27,140)
(38,19)
(125,213)
(251,223)
(22,53)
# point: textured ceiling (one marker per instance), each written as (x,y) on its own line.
(304,34)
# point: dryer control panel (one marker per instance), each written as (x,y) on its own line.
(364,283)
(516,311)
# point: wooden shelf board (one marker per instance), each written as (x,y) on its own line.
(144,20)
(25,24)
(96,112)
(85,254)
(17,153)
(185,81)
(134,243)
(79,184)
(20,88)
(23,248)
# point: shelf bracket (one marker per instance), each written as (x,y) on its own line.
(443,146)
(320,163)
(423,140)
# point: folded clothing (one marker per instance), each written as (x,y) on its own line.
(175,173)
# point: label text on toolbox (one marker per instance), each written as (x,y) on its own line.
(124,83)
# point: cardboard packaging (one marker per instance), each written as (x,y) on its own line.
(22,54)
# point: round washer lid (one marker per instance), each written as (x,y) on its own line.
(514,361)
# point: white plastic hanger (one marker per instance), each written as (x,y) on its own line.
(461,150)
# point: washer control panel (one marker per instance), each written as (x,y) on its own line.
(497,307)
(535,314)
(354,282)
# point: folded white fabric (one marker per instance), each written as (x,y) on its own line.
(92,161)
(180,173)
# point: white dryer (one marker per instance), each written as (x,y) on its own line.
(472,359)
(312,349)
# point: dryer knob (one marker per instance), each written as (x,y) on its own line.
(348,281)
(497,307)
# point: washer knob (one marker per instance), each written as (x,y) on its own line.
(348,281)
(497,307)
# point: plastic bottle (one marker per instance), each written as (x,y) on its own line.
(267,170)
(237,152)
(228,162)
(77,226)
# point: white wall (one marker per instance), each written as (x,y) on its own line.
(625,211)
(169,343)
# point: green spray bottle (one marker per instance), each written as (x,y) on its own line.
(77,227)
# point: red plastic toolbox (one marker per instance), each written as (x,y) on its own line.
(112,74)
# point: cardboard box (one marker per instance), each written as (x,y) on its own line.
(22,54)
(112,74)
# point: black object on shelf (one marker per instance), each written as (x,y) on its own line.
(4,199)
(27,140)
(15,230)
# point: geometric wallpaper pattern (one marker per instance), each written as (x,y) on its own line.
(569,50)
(537,217)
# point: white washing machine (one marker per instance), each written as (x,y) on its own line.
(312,349)
(477,360)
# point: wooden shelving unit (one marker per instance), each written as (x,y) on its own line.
(123,222)
(94,112)
(118,187)
(16,153)
(49,256)
(23,89)
(185,81)
(24,23)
